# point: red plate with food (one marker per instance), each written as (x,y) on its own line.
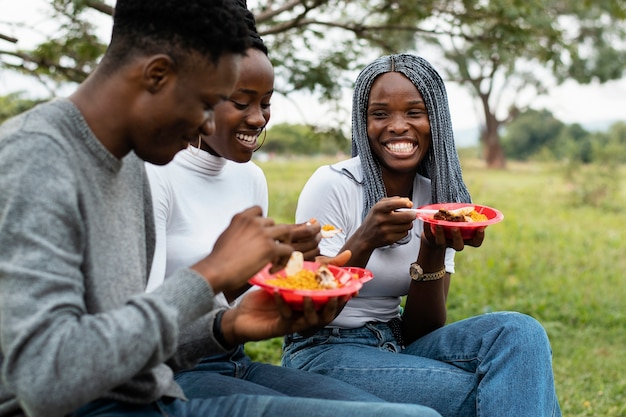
(320,282)
(361,274)
(467,217)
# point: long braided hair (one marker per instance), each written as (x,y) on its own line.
(441,163)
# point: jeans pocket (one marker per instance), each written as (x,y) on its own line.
(298,350)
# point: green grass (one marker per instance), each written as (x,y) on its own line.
(559,261)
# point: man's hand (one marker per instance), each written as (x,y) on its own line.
(261,315)
(305,238)
(250,242)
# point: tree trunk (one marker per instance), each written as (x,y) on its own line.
(492,150)
(494,155)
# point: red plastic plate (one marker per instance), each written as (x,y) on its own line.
(467,228)
(351,278)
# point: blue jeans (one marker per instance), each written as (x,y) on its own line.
(253,406)
(236,373)
(232,385)
(497,364)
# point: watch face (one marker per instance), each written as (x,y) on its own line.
(416,271)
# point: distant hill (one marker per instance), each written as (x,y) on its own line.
(598,126)
(468,138)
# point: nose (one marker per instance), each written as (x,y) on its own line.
(256,117)
(208,127)
(398,124)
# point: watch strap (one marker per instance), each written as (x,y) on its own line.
(417,274)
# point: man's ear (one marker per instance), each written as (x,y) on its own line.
(157,72)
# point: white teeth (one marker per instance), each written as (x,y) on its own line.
(400,147)
(246,138)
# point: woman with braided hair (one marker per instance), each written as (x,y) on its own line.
(404,156)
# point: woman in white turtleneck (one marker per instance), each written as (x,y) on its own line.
(195,197)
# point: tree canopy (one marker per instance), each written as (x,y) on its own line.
(503,51)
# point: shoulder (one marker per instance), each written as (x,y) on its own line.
(159,176)
(249,167)
(347,170)
(162,180)
(37,143)
(37,126)
(41,169)
(246,171)
(339,182)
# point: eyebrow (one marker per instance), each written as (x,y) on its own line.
(412,103)
(251,92)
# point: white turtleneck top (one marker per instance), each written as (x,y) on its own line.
(195,197)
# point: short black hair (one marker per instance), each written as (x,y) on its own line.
(255,38)
(210,28)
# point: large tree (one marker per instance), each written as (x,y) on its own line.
(501,49)
(493,47)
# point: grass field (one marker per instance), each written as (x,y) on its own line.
(553,258)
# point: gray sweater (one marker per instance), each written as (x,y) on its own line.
(76,242)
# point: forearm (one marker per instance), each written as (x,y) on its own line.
(59,354)
(425,307)
(360,248)
(196,341)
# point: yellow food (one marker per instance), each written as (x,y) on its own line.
(302,280)
(477,217)
(328,230)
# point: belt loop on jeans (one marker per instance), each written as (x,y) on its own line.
(395,324)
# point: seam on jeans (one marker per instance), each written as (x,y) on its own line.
(164,413)
(393,370)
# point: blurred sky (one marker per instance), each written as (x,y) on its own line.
(588,105)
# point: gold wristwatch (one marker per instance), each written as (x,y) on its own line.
(417,273)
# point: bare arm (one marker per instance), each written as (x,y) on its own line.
(425,307)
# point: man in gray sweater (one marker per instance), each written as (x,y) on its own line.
(78,334)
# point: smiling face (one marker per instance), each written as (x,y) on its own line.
(397,124)
(240,120)
(175,111)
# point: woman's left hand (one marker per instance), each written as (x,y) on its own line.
(456,241)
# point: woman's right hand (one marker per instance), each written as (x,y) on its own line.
(250,242)
(381,227)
